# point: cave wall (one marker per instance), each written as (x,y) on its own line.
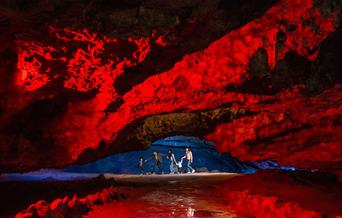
(87,79)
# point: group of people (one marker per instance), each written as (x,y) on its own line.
(175,166)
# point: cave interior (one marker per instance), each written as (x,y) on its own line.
(252,88)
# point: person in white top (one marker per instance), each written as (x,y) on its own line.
(180,165)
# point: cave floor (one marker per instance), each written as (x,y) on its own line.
(186,195)
(171,178)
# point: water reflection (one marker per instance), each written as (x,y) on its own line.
(166,202)
(191,212)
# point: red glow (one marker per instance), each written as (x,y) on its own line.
(64,207)
(279,194)
(313,118)
(86,61)
(263,206)
(263,194)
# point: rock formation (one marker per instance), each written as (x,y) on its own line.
(80,82)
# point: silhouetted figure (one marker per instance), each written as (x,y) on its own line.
(189,160)
(141,165)
(172,159)
(158,161)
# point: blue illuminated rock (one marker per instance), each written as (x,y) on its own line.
(206,158)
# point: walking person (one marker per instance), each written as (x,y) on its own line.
(180,165)
(158,161)
(189,160)
(172,159)
(141,165)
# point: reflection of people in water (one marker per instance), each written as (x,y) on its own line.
(141,165)
(158,161)
(172,159)
(189,160)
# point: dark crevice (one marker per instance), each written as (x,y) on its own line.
(114,106)
(270,139)
(140,133)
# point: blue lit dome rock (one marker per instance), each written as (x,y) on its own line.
(206,158)
(270,165)
(46,175)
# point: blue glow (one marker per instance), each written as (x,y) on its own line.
(45,175)
(271,165)
(206,157)
(204,153)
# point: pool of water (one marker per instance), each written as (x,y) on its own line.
(167,200)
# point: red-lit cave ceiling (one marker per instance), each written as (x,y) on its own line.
(267,87)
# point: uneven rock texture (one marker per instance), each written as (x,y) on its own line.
(279,194)
(77,88)
(74,207)
(294,129)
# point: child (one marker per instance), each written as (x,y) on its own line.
(179,165)
(141,166)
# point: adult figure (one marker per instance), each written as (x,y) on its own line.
(158,161)
(189,160)
(172,159)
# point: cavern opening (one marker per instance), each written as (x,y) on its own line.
(206,159)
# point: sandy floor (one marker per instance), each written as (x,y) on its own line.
(171,178)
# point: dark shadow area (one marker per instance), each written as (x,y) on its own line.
(18,195)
